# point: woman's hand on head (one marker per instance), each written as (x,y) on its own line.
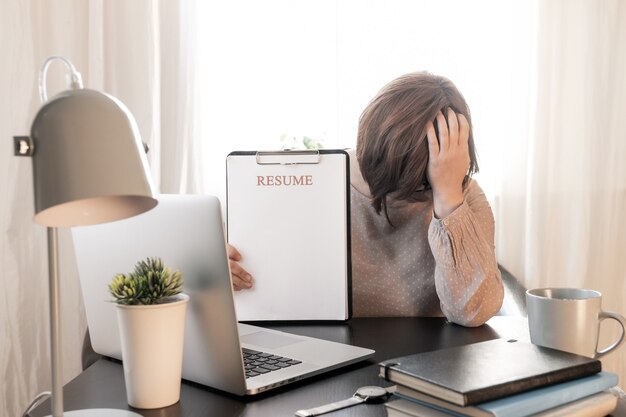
(448,161)
(242,280)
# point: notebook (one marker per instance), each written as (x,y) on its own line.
(484,371)
(288,214)
(187,232)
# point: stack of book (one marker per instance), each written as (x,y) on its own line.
(499,378)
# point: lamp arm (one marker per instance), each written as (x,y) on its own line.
(75,80)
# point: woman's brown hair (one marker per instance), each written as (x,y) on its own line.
(392,149)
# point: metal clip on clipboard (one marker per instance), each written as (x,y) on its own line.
(288,157)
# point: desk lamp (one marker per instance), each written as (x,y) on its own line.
(89,167)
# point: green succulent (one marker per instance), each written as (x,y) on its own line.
(150,283)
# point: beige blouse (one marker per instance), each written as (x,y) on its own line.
(423,266)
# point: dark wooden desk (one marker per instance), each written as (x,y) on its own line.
(102,384)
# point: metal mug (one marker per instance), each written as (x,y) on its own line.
(569,319)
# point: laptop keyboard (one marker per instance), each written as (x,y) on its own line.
(256,363)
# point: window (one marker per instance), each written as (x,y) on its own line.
(284,68)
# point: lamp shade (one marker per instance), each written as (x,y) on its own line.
(89,165)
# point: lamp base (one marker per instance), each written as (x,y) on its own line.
(99,412)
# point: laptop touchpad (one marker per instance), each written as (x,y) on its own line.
(269,340)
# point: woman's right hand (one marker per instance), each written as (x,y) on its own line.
(242,280)
(448,161)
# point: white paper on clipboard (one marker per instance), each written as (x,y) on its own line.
(288,214)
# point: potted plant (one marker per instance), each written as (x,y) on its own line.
(151,317)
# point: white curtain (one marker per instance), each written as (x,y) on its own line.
(561,209)
(137,51)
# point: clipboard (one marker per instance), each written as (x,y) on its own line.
(288,214)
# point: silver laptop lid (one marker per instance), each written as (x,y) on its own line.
(187,232)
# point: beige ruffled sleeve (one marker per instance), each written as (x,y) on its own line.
(467,279)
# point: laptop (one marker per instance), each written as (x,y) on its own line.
(187,232)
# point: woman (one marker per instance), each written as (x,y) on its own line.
(422,229)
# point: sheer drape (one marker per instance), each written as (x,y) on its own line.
(134,50)
(561,211)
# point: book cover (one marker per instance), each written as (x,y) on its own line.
(480,372)
(596,405)
(524,404)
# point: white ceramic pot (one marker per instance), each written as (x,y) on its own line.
(152,351)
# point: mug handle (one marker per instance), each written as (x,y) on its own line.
(620,319)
